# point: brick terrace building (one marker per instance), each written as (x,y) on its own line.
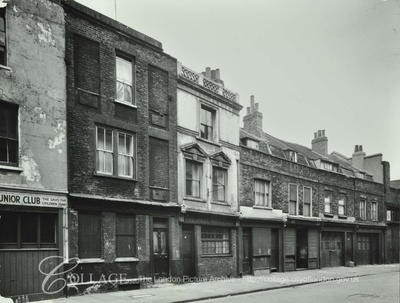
(393,222)
(304,208)
(208,155)
(33,150)
(121,104)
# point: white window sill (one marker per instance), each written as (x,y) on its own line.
(125,103)
(127,259)
(262,207)
(195,199)
(11,168)
(91,260)
(5,67)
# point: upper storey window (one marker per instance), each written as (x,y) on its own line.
(252,144)
(292,156)
(329,166)
(124,81)
(3,50)
(8,134)
(207,123)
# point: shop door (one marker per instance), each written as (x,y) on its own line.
(246,261)
(367,249)
(160,252)
(302,248)
(332,249)
(188,251)
(274,266)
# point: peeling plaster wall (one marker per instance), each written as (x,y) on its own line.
(36,82)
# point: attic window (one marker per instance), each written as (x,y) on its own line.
(292,156)
(329,166)
(252,143)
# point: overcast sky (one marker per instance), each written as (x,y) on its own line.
(332,65)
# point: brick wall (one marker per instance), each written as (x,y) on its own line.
(155,85)
(257,164)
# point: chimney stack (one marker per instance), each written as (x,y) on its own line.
(320,142)
(213,74)
(357,159)
(252,122)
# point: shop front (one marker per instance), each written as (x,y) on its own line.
(32,242)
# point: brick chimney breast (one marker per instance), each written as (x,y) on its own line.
(252,122)
(320,142)
(357,159)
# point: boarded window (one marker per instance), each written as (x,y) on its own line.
(3,46)
(89,235)
(87,70)
(158,97)
(159,162)
(125,236)
(215,241)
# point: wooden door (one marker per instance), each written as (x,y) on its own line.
(274,265)
(290,248)
(313,248)
(332,249)
(247,255)
(363,249)
(160,252)
(188,251)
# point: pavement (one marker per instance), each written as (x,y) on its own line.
(220,288)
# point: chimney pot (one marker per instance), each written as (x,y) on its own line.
(360,148)
(248,109)
(323,132)
(252,98)
(256,107)
(315,135)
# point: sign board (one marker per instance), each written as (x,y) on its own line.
(31,199)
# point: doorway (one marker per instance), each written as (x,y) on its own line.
(274,266)
(246,261)
(188,250)
(160,247)
(302,248)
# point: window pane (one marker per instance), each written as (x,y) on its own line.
(129,145)
(3,150)
(306,209)
(189,191)
(100,138)
(127,93)
(29,228)
(109,146)
(307,195)
(195,188)
(292,208)
(156,248)
(293,192)
(120,91)
(8,228)
(121,143)
(108,162)
(47,228)
(124,70)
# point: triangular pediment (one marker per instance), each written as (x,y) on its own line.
(221,157)
(194,151)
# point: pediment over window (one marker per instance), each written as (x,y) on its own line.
(220,159)
(194,151)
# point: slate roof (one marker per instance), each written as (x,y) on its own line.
(306,156)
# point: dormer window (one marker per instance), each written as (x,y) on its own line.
(252,143)
(292,155)
(329,166)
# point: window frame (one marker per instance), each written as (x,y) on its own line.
(291,201)
(311,195)
(200,180)
(213,112)
(213,232)
(225,185)
(126,235)
(342,197)
(389,215)
(105,150)
(363,210)
(3,13)
(120,154)
(267,193)
(9,108)
(131,60)
(374,212)
(292,156)
(330,195)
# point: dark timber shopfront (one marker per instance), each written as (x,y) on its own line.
(31,240)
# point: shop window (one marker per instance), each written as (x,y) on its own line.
(3,46)
(28,230)
(8,134)
(90,235)
(219,180)
(293,196)
(125,236)
(262,193)
(207,123)
(194,172)
(215,241)
(307,201)
(327,202)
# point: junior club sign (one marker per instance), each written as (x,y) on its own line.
(29,199)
